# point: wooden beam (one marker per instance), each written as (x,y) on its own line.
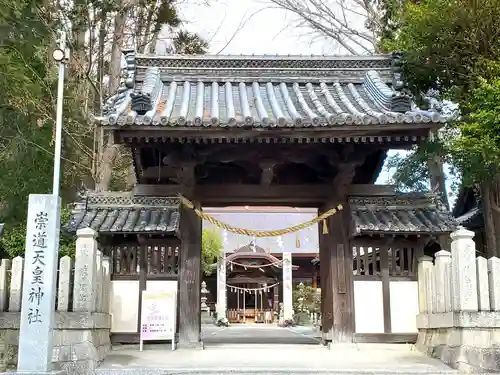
(243,195)
(234,195)
(389,240)
(400,133)
(371,190)
(158,172)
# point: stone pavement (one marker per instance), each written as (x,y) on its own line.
(258,334)
(225,354)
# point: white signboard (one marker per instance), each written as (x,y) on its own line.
(158,316)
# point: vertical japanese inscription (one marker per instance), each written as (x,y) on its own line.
(39,285)
(39,243)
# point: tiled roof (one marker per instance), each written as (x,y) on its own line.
(467,209)
(401,213)
(249,91)
(472,218)
(124,213)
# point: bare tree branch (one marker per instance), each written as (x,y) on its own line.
(240,27)
(342,21)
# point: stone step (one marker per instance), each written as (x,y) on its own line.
(268,371)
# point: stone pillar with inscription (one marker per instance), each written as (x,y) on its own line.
(39,285)
(287,286)
(221,287)
(463,271)
(84,289)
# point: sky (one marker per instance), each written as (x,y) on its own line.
(254,27)
(248,27)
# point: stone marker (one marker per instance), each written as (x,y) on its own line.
(39,285)
(464,273)
(84,290)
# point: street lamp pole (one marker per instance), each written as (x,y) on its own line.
(59,56)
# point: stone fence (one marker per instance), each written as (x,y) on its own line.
(82,320)
(459,306)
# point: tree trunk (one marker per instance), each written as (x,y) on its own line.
(437,178)
(116,49)
(101,41)
(105,168)
(107,151)
(489,220)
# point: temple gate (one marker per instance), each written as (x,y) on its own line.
(259,130)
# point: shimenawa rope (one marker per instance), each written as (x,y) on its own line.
(253,233)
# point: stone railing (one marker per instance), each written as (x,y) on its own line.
(82,320)
(459,306)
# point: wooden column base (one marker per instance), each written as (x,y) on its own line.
(189,280)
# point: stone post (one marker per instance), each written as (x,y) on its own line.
(483,288)
(84,289)
(106,282)
(4,292)
(442,273)
(494,282)
(98,283)
(424,269)
(63,292)
(16,284)
(464,274)
(287,286)
(221,287)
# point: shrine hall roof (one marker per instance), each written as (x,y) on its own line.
(468,209)
(110,213)
(400,213)
(125,213)
(262,92)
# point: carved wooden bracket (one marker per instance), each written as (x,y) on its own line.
(344,177)
(267,172)
(185,175)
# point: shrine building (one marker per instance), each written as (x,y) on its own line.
(271,131)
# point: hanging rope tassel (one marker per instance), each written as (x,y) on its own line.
(259,234)
(325,227)
(297,241)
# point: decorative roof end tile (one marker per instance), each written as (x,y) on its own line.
(141,103)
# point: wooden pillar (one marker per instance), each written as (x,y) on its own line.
(189,279)
(326,282)
(336,279)
(276,299)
